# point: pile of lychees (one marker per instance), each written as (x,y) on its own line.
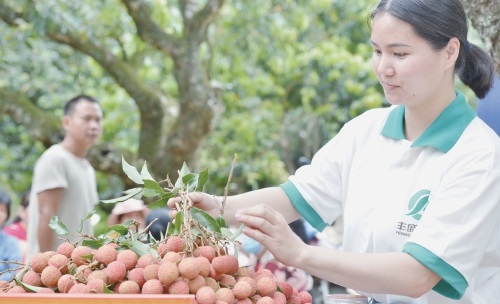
(211,277)
(192,258)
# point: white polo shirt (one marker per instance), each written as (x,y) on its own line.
(437,199)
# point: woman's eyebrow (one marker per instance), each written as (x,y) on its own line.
(391,45)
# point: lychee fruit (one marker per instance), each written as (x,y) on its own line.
(152,287)
(205,251)
(127,257)
(17,289)
(168,273)
(39,261)
(106,254)
(266,286)
(265,300)
(227,264)
(60,261)
(129,287)
(172,256)
(50,276)
(175,243)
(32,278)
(279,298)
(98,274)
(65,283)
(180,286)
(96,285)
(196,284)
(252,282)
(188,268)
(286,289)
(305,297)
(137,275)
(147,259)
(45,290)
(151,272)
(205,295)
(212,283)
(204,265)
(80,288)
(65,249)
(116,271)
(80,255)
(242,290)
(225,294)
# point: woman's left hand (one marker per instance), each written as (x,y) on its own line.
(269,227)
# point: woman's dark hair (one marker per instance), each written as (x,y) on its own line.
(5,200)
(437,22)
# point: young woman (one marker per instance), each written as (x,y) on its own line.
(417,183)
(9,247)
(19,225)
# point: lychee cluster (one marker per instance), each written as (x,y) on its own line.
(212,277)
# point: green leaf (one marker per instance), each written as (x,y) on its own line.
(121,229)
(202,179)
(149,193)
(20,274)
(171,229)
(95,243)
(162,202)
(205,219)
(153,185)
(221,222)
(131,172)
(145,173)
(80,227)
(184,170)
(140,248)
(135,192)
(58,226)
(179,218)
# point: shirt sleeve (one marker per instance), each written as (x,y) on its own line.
(50,172)
(454,234)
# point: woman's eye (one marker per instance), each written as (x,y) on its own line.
(399,54)
(378,52)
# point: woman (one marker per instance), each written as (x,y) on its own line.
(18,226)
(9,247)
(416,183)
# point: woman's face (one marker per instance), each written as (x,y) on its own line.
(409,70)
(3,214)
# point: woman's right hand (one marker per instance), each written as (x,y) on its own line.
(206,202)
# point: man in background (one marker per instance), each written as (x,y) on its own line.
(64,182)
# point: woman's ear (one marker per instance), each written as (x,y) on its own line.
(452,51)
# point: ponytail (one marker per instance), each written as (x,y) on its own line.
(475,69)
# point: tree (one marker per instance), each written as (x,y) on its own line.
(165,139)
(485,18)
(162,71)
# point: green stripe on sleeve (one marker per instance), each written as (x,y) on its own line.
(452,284)
(307,212)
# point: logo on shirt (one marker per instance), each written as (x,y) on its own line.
(418,203)
(416,207)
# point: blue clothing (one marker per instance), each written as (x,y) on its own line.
(9,251)
(488,108)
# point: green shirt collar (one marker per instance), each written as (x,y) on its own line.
(443,133)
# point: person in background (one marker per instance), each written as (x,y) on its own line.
(417,183)
(64,181)
(159,228)
(9,246)
(488,108)
(131,209)
(19,225)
